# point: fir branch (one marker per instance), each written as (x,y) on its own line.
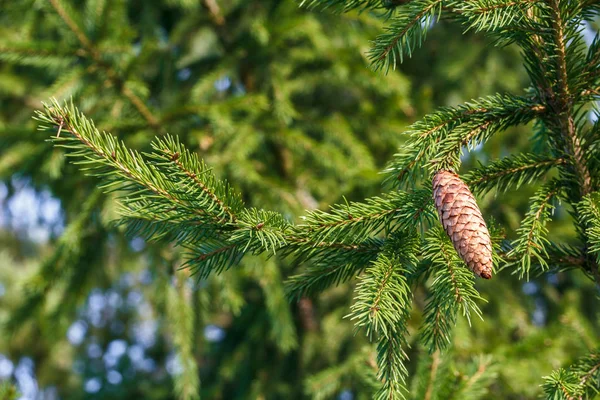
(562,100)
(392,371)
(348,222)
(405,32)
(382,302)
(170,194)
(329,264)
(581,380)
(452,291)
(589,212)
(506,112)
(510,172)
(532,240)
(183,165)
(212,256)
(441,136)
(491,15)
(103,155)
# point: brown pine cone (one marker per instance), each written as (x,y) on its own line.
(463,222)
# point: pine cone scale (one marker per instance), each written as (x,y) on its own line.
(462,220)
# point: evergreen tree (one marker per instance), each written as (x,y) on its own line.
(392,241)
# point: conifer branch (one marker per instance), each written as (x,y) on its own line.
(440,137)
(392,372)
(452,291)
(382,303)
(329,264)
(491,14)
(532,233)
(563,100)
(510,172)
(170,194)
(589,212)
(405,32)
(182,165)
(579,381)
(382,307)
(395,210)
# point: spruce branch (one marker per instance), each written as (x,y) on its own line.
(170,194)
(213,256)
(439,137)
(405,32)
(562,119)
(589,212)
(506,111)
(183,166)
(510,172)
(391,359)
(579,381)
(102,155)
(329,264)
(347,222)
(452,291)
(382,307)
(382,302)
(491,15)
(532,240)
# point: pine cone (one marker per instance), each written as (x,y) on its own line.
(463,222)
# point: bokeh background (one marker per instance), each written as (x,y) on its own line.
(281,102)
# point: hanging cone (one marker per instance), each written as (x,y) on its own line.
(463,222)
